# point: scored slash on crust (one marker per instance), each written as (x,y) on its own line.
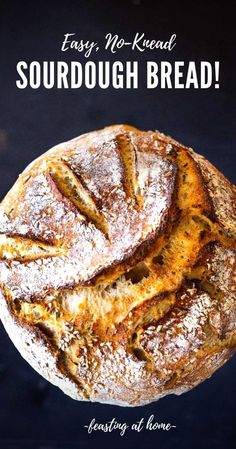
(127,153)
(22,248)
(72,188)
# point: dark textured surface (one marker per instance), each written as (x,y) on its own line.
(33,414)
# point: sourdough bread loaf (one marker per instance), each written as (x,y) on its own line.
(117,266)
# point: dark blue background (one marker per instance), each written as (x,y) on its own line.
(34,414)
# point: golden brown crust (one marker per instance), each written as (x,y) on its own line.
(117,266)
(222,193)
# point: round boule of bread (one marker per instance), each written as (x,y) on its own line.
(117,266)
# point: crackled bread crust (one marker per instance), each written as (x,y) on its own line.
(117,266)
